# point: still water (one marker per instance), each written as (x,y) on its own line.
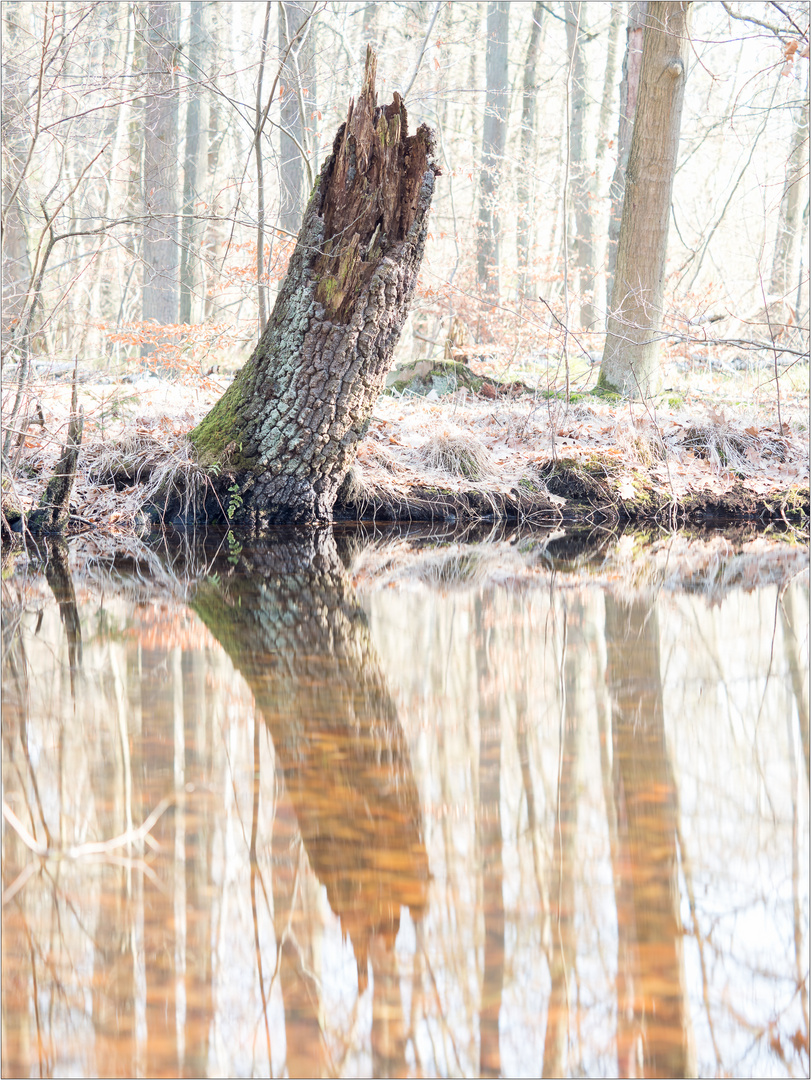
(398,809)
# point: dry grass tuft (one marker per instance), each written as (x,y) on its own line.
(459,454)
(125,461)
(159,472)
(729,446)
(638,441)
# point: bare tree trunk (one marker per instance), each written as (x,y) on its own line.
(300,991)
(292,16)
(286,430)
(193,171)
(631,359)
(797,669)
(369,24)
(629,91)
(606,110)
(16,262)
(389,1035)
(784,268)
(160,932)
(526,284)
(609,81)
(579,170)
(199,836)
(160,235)
(494,138)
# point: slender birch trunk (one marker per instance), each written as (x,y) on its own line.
(526,284)
(161,250)
(784,268)
(580,172)
(494,138)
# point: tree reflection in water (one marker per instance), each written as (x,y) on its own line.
(527,740)
(650,933)
(291,624)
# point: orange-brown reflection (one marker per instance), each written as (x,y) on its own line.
(653,1016)
(292,627)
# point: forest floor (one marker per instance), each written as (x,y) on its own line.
(715,454)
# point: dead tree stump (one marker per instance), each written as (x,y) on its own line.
(51,516)
(283,436)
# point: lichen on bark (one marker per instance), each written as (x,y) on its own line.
(286,431)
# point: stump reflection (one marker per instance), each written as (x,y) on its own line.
(290,623)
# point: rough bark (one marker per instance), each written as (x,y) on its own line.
(494,138)
(293,628)
(160,250)
(526,283)
(580,172)
(286,431)
(629,91)
(631,359)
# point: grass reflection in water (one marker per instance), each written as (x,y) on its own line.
(472,822)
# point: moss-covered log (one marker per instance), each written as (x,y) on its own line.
(284,434)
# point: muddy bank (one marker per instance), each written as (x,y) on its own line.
(566,493)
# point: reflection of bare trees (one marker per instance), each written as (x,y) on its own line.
(305,1047)
(120,957)
(562,877)
(490,846)
(795,667)
(649,924)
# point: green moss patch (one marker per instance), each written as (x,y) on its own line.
(216,437)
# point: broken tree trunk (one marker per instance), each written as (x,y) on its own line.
(283,436)
(51,516)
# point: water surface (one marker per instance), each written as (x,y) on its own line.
(326,811)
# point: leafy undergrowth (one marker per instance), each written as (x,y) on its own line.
(684,456)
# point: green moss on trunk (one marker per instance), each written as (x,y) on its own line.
(217,437)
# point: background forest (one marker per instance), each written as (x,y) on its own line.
(157,158)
